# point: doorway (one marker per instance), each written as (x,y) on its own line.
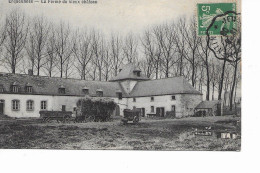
(142,112)
(2,107)
(160,111)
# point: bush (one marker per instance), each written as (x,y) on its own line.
(96,109)
(170,114)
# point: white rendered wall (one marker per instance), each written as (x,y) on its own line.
(54,103)
(184,103)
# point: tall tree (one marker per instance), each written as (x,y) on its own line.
(63,45)
(16,34)
(130,48)
(51,58)
(82,51)
(116,52)
(192,41)
(98,46)
(204,53)
(165,41)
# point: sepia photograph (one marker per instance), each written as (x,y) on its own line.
(120,75)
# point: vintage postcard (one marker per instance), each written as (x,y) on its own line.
(120,74)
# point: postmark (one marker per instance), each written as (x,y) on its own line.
(216,18)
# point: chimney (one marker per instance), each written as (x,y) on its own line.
(30,72)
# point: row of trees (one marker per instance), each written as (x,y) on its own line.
(161,51)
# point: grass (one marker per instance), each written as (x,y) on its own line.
(149,134)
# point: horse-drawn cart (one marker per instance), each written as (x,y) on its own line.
(131,115)
(59,116)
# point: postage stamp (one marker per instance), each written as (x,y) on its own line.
(216,18)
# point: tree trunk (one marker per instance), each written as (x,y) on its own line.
(208,83)
(221,81)
(233,86)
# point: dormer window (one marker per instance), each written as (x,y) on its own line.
(85,90)
(15,88)
(137,73)
(28,88)
(1,88)
(62,90)
(119,95)
(99,93)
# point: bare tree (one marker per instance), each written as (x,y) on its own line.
(107,63)
(16,34)
(235,41)
(116,53)
(83,52)
(192,41)
(150,52)
(98,46)
(51,58)
(130,48)
(63,45)
(180,44)
(165,40)
(204,53)
(2,34)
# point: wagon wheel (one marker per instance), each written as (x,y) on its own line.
(66,118)
(136,119)
(43,120)
(91,118)
(47,120)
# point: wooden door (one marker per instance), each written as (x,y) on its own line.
(142,112)
(158,111)
(162,112)
(63,108)
(1,108)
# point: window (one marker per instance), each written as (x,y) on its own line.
(15,105)
(119,95)
(152,99)
(100,93)
(152,108)
(134,99)
(173,108)
(137,73)
(85,91)
(29,105)
(63,108)
(1,88)
(29,89)
(61,90)
(15,89)
(173,98)
(43,105)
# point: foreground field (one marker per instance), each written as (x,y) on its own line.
(166,134)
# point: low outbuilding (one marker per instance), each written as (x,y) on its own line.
(208,108)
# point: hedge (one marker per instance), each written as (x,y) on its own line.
(96,108)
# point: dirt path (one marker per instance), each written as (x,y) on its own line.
(149,134)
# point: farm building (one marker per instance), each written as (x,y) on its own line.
(25,95)
(209,108)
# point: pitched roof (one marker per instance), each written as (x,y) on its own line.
(128,73)
(167,86)
(207,104)
(50,85)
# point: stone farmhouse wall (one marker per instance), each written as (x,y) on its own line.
(54,103)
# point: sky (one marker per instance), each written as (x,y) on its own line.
(111,16)
(119,16)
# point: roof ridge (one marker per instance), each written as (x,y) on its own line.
(53,77)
